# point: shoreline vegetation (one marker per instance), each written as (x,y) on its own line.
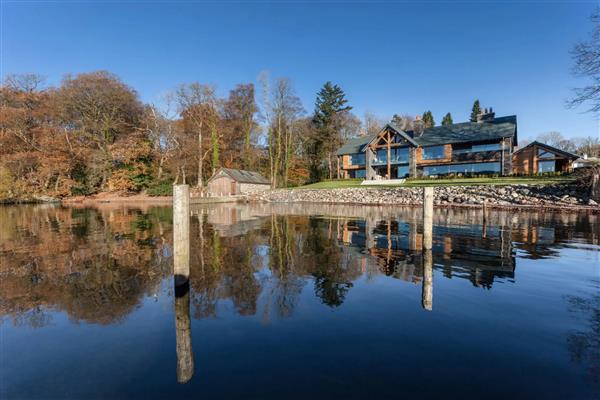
(529,192)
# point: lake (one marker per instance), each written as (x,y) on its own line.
(298,301)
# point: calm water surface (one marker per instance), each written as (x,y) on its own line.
(298,301)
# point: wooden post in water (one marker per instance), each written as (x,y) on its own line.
(181,233)
(427,289)
(484,227)
(183,333)
(427,218)
(181,275)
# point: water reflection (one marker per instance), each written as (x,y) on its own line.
(97,265)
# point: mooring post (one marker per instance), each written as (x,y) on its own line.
(427,289)
(484,225)
(427,218)
(181,233)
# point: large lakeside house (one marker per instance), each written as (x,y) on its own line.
(468,148)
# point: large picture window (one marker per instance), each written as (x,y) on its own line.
(477,148)
(357,159)
(398,155)
(546,166)
(433,152)
(463,169)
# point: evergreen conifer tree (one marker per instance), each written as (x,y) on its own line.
(447,120)
(475,111)
(428,121)
(331,101)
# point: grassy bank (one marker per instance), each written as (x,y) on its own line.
(503,180)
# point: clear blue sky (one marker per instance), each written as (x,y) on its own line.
(389,57)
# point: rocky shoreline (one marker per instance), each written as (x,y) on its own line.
(572,197)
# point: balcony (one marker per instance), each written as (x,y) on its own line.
(477,156)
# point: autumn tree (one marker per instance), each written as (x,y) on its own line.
(98,110)
(240,110)
(160,126)
(198,107)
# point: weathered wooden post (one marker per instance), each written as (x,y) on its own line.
(183,333)
(427,218)
(181,233)
(484,226)
(181,275)
(427,289)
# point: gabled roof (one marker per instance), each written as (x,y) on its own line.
(549,148)
(241,176)
(355,145)
(397,130)
(463,132)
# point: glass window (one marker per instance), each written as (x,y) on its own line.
(463,169)
(545,153)
(403,171)
(357,159)
(433,152)
(398,155)
(546,166)
(360,173)
(476,148)
(380,157)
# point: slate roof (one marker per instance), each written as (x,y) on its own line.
(469,132)
(242,176)
(553,149)
(463,132)
(355,145)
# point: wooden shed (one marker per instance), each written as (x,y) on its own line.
(228,181)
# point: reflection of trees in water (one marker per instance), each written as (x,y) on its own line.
(584,345)
(332,278)
(94,264)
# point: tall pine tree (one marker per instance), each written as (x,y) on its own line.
(428,121)
(330,103)
(447,120)
(475,111)
(396,120)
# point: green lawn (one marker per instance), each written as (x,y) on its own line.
(508,180)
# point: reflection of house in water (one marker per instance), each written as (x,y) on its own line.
(231,221)
(458,250)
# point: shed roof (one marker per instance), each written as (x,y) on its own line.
(242,176)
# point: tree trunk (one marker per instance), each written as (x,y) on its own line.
(330,165)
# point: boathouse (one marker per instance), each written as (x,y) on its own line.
(229,181)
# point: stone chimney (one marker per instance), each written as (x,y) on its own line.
(418,126)
(486,115)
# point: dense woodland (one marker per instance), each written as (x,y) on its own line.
(92,134)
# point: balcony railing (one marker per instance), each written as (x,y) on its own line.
(477,156)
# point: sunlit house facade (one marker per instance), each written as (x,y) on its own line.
(468,148)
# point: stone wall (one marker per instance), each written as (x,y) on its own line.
(542,196)
(251,188)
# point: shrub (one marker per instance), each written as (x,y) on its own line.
(162,188)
